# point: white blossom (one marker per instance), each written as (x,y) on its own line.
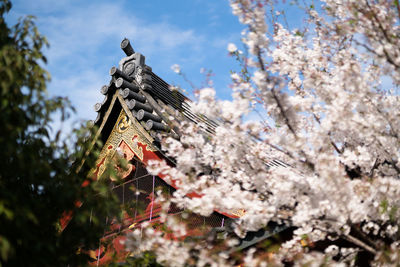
(176,68)
(232,48)
(326,111)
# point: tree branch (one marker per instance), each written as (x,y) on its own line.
(359,243)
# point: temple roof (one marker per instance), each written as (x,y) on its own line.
(158,107)
(149,98)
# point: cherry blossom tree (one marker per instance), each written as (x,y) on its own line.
(328,95)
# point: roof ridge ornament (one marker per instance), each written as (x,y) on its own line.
(139,76)
(126,46)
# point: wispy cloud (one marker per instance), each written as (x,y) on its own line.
(85,37)
(86,30)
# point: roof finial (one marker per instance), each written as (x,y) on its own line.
(126,46)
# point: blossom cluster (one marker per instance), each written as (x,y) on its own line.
(330,96)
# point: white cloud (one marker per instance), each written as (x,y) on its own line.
(85,45)
(85,37)
(83,90)
(86,30)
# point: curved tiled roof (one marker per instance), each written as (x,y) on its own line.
(148,97)
(151,100)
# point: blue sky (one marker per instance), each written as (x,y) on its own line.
(84,39)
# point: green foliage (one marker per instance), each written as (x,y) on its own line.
(384,205)
(39,181)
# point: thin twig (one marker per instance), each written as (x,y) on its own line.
(359,243)
(329,135)
(397,4)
